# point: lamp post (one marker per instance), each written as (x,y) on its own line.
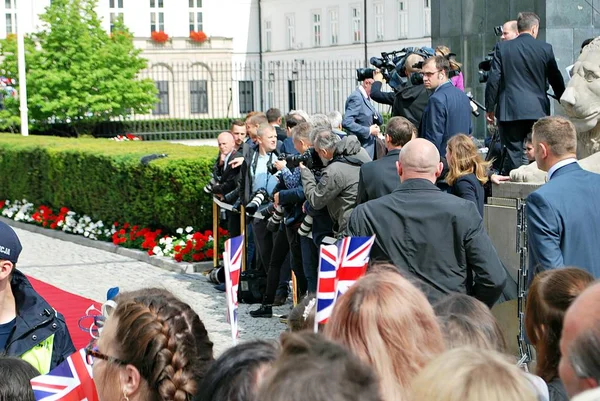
(21,69)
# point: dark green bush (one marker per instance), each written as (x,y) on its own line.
(106,180)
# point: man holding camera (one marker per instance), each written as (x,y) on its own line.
(361,118)
(410,100)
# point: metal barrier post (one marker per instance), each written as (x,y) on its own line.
(215,235)
(243,233)
(294,289)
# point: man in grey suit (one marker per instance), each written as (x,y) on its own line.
(361,118)
(380,177)
(563,215)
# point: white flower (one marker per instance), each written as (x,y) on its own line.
(189,229)
(157,251)
(179,231)
(189,236)
(169,240)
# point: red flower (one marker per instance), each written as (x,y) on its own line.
(159,36)
(126,226)
(2,203)
(197,257)
(177,248)
(178,257)
(150,252)
(209,253)
(198,36)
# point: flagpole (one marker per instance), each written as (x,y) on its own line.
(21,69)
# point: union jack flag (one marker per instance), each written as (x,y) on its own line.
(69,381)
(326,283)
(232,263)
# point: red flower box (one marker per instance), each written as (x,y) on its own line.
(159,36)
(198,36)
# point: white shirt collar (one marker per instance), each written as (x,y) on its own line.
(363,91)
(560,164)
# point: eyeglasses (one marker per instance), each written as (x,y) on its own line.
(430,74)
(91,353)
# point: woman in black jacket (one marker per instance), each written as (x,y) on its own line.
(467,171)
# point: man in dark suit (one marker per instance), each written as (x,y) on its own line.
(380,177)
(448,111)
(274,118)
(361,118)
(563,215)
(436,237)
(517,84)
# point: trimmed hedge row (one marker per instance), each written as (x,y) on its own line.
(105,179)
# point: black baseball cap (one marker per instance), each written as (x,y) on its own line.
(10,246)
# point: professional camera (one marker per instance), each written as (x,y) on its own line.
(257,199)
(391,65)
(275,220)
(209,187)
(306,226)
(484,68)
(364,73)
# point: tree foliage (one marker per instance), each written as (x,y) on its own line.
(76,72)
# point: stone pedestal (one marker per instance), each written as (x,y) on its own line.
(467,27)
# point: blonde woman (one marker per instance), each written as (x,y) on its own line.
(458,79)
(468,374)
(388,323)
(467,171)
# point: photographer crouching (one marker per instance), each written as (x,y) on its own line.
(338,187)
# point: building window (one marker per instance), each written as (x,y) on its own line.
(157,16)
(333,27)
(196,15)
(356,24)
(11,16)
(268,37)
(379,32)
(162,107)
(116,12)
(292,95)
(427,21)
(198,96)
(402,19)
(316,23)
(246,96)
(291,31)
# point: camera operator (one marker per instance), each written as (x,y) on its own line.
(410,100)
(361,118)
(338,186)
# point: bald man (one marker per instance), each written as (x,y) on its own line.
(436,237)
(510,30)
(579,367)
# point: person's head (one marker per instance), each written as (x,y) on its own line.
(579,366)
(554,139)
(445,52)
(398,132)
(238,372)
(463,158)
(152,347)
(411,60)
(301,137)
(252,124)
(325,143)
(226,142)
(528,22)
(16,374)
(550,295)
(10,249)
(335,119)
(274,116)
(310,368)
(292,120)
(419,158)
(435,71)
(388,323)
(510,30)
(585,43)
(367,84)
(466,321)
(301,113)
(302,317)
(320,121)
(529,148)
(238,130)
(266,137)
(469,374)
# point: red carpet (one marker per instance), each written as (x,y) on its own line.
(72,307)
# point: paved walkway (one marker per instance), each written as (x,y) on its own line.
(90,272)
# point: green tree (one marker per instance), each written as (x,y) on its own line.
(76,72)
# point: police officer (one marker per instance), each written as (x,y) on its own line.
(29,327)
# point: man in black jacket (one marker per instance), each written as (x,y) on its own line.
(380,177)
(436,237)
(227,178)
(410,100)
(517,84)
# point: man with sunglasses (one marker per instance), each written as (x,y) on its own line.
(29,327)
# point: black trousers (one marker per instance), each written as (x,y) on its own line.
(263,243)
(286,240)
(512,137)
(233,224)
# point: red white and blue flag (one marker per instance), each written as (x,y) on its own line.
(69,381)
(326,283)
(232,263)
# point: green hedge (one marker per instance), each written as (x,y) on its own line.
(106,180)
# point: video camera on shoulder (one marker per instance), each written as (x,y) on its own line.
(486,65)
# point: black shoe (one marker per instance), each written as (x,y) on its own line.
(279,300)
(263,311)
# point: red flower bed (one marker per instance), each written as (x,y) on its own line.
(159,36)
(198,36)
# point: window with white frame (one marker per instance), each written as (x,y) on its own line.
(356,23)
(379,31)
(10,9)
(427,22)
(268,36)
(115,8)
(290,24)
(162,106)
(402,19)
(157,16)
(195,7)
(333,26)
(316,25)
(198,96)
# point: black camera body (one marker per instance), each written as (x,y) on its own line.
(392,66)
(484,68)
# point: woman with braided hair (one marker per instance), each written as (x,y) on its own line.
(153,347)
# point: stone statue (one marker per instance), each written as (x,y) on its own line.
(581,101)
